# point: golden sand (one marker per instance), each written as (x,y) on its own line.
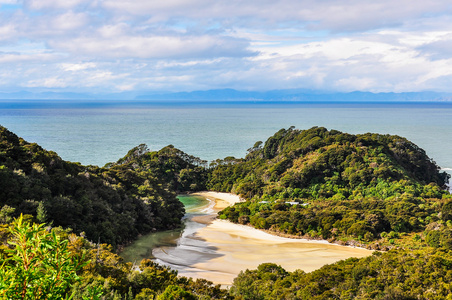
(242,247)
(222,200)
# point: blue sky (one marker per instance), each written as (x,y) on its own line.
(110,46)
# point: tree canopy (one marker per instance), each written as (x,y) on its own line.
(112,205)
(329,184)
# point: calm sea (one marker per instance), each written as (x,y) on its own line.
(98,132)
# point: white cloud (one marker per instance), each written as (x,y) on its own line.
(54,4)
(8,2)
(7,32)
(348,15)
(189,63)
(50,82)
(199,44)
(112,45)
(69,21)
(15,58)
(77,66)
(126,87)
(438,48)
(45,27)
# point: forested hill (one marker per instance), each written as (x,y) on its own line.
(113,205)
(322,163)
(349,185)
(182,172)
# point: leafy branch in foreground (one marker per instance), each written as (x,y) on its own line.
(38,264)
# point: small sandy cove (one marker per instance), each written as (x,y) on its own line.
(243,247)
(222,200)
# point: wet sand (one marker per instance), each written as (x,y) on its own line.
(242,247)
(222,200)
(218,250)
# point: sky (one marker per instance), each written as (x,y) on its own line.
(113,46)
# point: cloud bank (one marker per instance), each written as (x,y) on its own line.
(179,45)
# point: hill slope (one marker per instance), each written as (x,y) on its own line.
(348,185)
(182,172)
(113,205)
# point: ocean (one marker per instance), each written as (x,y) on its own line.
(98,132)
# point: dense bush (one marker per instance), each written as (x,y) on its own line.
(346,185)
(182,172)
(397,274)
(55,264)
(112,205)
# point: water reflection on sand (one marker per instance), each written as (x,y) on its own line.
(219,250)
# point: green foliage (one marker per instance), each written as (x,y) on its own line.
(439,235)
(174,292)
(366,219)
(433,238)
(182,172)
(6,213)
(41,213)
(323,164)
(446,211)
(113,205)
(39,265)
(249,284)
(357,186)
(392,275)
(117,279)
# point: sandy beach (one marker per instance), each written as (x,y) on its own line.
(222,200)
(228,248)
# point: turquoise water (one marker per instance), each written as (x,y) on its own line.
(194,204)
(143,246)
(101,132)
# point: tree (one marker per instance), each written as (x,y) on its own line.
(446,211)
(5,213)
(41,213)
(39,264)
(174,292)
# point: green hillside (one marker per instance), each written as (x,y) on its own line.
(356,186)
(180,171)
(113,205)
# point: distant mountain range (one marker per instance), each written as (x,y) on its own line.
(296,95)
(235,95)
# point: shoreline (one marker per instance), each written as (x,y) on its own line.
(235,247)
(220,198)
(220,201)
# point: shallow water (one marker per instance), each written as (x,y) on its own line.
(219,251)
(144,246)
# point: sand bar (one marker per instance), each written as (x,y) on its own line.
(222,200)
(219,250)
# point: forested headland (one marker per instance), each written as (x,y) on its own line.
(332,185)
(378,191)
